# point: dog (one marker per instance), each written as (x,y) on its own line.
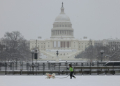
(50,75)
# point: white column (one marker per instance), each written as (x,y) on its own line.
(59,32)
(59,44)
(54,43)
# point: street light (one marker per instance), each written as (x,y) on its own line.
(102,51)
(36,55)
(57,55)
(32,51)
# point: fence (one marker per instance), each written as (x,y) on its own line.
(60,68)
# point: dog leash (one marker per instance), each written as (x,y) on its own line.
(62,77)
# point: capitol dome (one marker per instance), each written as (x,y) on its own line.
(62,17)
(62,26)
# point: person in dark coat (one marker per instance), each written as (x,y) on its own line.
(71,71)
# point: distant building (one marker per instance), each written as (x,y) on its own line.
(98,43)
(113,43)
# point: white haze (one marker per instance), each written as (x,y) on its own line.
(96,19)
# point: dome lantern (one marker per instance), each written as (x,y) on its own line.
(62,9)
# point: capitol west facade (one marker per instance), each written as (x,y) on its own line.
(61,40)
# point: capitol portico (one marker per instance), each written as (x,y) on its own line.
(62,39)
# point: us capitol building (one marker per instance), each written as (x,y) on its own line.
(61,40)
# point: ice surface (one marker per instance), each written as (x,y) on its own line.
(42,81)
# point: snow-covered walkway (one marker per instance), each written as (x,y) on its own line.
(79,81)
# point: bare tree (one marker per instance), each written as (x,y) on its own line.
(16,47)
(93,52)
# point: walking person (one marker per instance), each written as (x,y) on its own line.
(71,71)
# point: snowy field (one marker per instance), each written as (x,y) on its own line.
(85,80)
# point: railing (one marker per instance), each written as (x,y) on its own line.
(41,68)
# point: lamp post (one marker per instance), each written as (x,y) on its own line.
(36,55)
(102,51)
(57,55)
(16,63)
(4,49)
(32,51)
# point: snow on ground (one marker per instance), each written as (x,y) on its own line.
(86,80)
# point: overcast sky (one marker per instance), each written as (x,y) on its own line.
(96,19)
